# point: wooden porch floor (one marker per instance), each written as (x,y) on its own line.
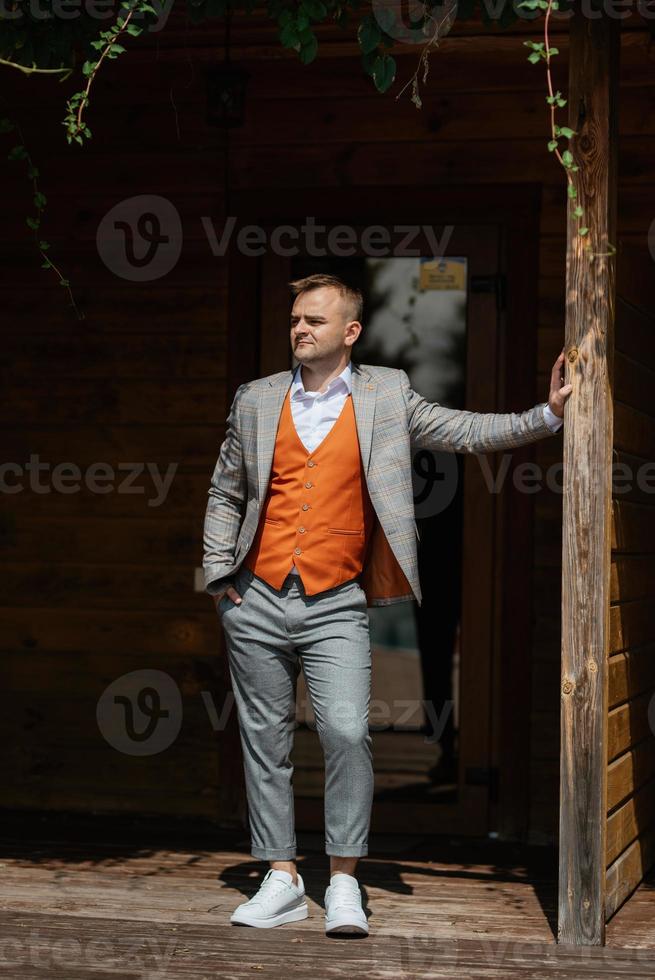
(97,901)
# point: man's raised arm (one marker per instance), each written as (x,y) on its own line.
(432,426)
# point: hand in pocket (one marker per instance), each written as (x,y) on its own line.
(231,592)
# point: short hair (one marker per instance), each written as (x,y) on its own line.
(351,294)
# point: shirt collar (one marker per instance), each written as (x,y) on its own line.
(343,379)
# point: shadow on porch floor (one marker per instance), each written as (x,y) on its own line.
(86,898)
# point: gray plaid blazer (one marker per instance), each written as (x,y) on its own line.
(391,421)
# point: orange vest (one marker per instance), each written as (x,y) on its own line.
(317,513)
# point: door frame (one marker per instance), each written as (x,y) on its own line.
(514,210)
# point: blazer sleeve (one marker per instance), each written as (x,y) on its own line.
(432,426)
(225,506)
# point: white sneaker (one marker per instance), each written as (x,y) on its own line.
(277,901)
(343,906)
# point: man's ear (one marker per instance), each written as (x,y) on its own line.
(360,331)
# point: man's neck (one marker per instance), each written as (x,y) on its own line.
(318,378)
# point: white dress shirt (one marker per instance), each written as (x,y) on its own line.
(553,421)
(315,412)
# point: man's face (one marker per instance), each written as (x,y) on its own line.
(320,325)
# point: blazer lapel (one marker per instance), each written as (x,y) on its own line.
(271,399)
(364,393)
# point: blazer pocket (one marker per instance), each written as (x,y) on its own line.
(343,530)
(269,520)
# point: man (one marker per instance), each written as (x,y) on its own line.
(310,519)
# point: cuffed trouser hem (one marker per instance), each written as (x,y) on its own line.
(274,853)
(346,850)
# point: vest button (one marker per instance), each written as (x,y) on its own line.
(301,529)
(309,484)
(310,462)
(297,551)
(305,506)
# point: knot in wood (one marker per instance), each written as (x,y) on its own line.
(567,687)
(572,354)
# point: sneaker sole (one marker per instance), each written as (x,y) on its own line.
(291,915)
(345,927)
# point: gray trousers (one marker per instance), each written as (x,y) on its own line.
(268,636)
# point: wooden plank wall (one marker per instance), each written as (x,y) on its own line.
(99,585)
(631,684)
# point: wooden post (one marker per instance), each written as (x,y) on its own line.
(588,434)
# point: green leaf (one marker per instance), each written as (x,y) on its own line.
(384,72)
(32,223)
(368,61)
(578,212)
(552,145)
(565,131)
(567,158)
(572,190)
(44,245)
(553,51)
(289,36)
(117,49)
(88,67)
(534,57)
(582,231)
(368,34)
(135,30)
(308,50)
(386,18)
